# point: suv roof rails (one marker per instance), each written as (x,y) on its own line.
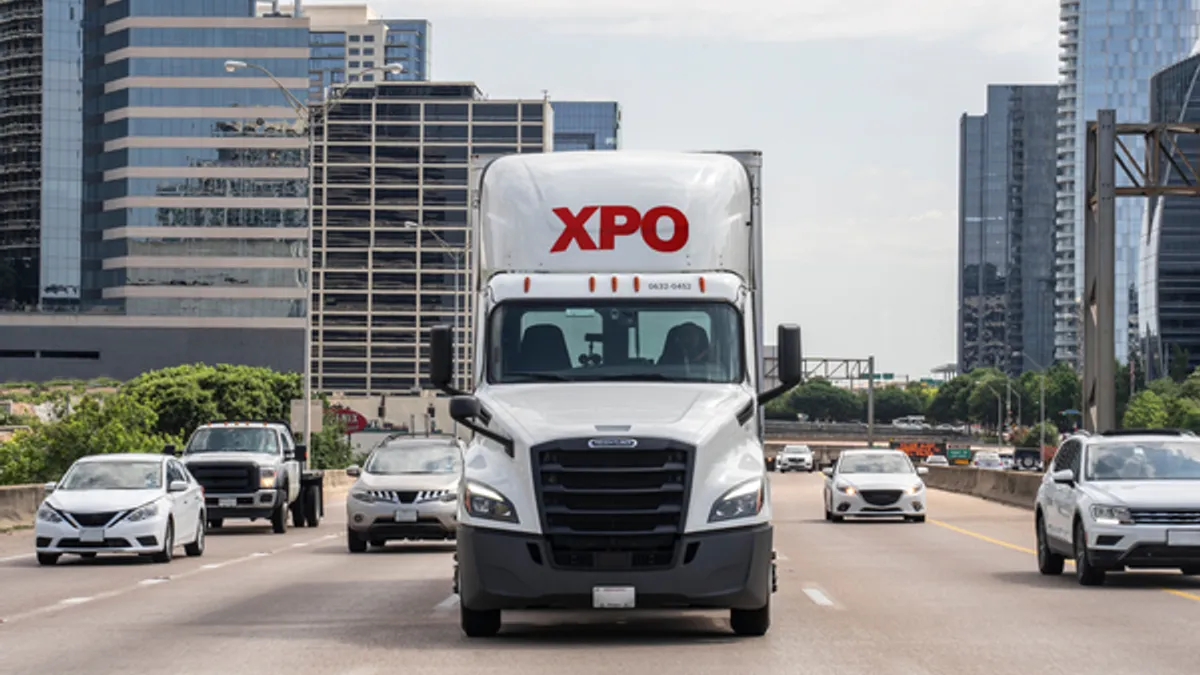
(1147,432)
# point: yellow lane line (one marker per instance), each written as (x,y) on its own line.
(1022,549)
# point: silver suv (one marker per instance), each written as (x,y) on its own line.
(1126,499)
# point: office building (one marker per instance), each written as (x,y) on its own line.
(1006,230)
(587,125)
(192,221)
(1169,281)
(348,40)
(1110,50)
(41,164)
(392,234)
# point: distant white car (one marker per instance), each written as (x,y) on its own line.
(121,503)
(1121,500)
(406,489)
(988,460)
(874,483)
(795,458)
(937,460)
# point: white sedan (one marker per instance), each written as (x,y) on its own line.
(121,503)
(873,483)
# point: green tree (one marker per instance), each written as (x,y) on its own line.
(1033,437)
(986,390)
(893,402)
(780,409)
(188,396)
(330,447)
(1146,410)
(1178,368)
(820,400)
(949,401)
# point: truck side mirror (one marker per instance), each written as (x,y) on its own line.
(465,408)
(301,453)
(791,358)
(441,357)
(169,450)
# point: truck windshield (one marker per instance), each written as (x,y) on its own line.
(582,341)
(233,439)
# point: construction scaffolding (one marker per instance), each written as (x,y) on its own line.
(20,149)
(1149,176)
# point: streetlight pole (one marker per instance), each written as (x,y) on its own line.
(307,112)
(1041,399)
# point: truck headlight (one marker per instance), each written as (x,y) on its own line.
(49,515)
(1112,515)
(743,501)
(484,502)
(142,513)
(266,478)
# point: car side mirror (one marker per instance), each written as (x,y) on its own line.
(353,471)
(49,487)
(169,450)
(301,453)
(828,471)
(1063,477)
(178,486)
(441,358)
(922,471)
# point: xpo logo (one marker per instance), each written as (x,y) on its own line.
(621,221)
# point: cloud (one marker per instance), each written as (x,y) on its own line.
(995,26)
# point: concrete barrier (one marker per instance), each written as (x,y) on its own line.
(19,503)
(1014,488)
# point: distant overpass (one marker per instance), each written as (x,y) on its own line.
(857,432)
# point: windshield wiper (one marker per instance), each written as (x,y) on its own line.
(538,375)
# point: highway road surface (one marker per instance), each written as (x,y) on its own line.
(958,595)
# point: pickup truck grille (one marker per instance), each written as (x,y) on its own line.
(225,478)
(1165,517)
(613,509)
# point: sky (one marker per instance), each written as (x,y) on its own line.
(856,112)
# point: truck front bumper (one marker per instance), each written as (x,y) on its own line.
(729,569)
(260,504)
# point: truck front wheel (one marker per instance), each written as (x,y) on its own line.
(279,519)
(751,622)
(312,505)
(479,623)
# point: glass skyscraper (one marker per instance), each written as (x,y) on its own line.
(1169,283)
(197,179)
(1110,50)
(1006,229)
(586,125)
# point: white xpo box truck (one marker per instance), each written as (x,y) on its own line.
(617,460)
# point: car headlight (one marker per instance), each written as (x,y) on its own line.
(364,497)
(142,513)
(484,502)
(449,496)
(1112,515)
(49,515)
(741,502)
(914,489)
(266,478)
(847,489)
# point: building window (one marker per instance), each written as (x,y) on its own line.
(354,64)
(368,51)
(354,51)
(368,38)
(355,38)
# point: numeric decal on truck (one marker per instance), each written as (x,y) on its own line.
(620,221)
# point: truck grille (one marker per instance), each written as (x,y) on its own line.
(1160,517)
(611,508)
(232,478)
(880,497)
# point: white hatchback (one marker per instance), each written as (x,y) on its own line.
(872,483)
(121,503)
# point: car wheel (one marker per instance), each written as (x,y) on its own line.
(168,550)
(751,622)
(479,623)
(1086,572)
(1049,562)
(47,559)
(355,542)
(297,510)
(196,548)
(279,519)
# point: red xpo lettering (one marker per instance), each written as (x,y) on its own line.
(620,221)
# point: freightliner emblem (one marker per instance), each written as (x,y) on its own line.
(612,443)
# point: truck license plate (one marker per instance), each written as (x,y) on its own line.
(614,597)
(227,503)
(1183,537)
(91,535)
(406,515)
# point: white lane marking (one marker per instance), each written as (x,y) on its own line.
(145,583)
(13,558)
(447,604)
(300,545)
(781,557)
(818,597)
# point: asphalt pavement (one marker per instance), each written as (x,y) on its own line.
(958,594)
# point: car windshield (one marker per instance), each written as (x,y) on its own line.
(410,459)
(593,341)
(234,439)
(1144,461)
(874,463)
(113,475)
(797,451)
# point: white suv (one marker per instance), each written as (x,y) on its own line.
(795,458)
(1121,499)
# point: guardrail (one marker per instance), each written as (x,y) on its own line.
(19,503)
(1014,488)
